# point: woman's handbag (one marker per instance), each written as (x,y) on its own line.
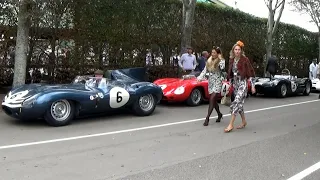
(226,100)
(225,92)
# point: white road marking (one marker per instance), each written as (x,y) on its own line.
(305,172)
(141,128)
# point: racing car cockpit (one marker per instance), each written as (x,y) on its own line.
(92,82)
(285,74)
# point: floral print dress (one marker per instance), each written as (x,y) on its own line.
(215,78)
(240,90)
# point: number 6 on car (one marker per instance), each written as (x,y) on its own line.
(118,97)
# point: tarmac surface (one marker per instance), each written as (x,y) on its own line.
(280,140)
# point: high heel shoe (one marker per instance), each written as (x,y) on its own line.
(206,122)
(220,116)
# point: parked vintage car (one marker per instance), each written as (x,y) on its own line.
(188,89)
(59,104)
(283,85)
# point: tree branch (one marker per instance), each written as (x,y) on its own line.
(279,16)
(276,5)
(314,14)
(266,2)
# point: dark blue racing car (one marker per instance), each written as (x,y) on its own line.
(283,85)
(86,95)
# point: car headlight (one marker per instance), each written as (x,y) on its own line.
(29,102)
(179,90)
(163,86)
(275,82)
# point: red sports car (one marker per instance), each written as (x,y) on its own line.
(188,89)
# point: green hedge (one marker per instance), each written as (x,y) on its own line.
(122,31)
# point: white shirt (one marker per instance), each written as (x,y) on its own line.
(188,61)
(313,68)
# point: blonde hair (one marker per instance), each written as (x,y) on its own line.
(241,45)
(213,64)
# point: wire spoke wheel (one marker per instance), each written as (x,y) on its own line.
(146,102)
(60,110)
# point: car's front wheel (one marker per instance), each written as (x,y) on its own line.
(282,90)
(307,90)
(61,113)
(195,97)
(145,105)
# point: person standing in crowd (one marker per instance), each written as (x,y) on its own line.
(214,67)
(240,70)
(313,68)
(318,71)
(272,66)
(188,61)
(202,61)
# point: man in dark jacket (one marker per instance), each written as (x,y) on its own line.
(202,61)
(272,66)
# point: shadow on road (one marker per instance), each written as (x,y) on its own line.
(120,114)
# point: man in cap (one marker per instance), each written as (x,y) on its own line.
(188,61)
(98,73)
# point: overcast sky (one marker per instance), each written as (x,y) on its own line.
(258,8)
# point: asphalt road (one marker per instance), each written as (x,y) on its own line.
(280,140)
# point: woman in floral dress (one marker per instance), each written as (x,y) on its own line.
(240,70)
(214,67)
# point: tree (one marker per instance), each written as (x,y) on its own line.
(312,8)
(272,23)
(22,43)
(188,10)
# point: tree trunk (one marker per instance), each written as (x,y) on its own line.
(272,26)
(269,39)
(187,23)
(22,43)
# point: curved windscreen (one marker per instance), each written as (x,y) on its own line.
(188,76)
(92,82)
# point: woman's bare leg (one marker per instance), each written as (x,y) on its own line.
(244,122)
(230,126)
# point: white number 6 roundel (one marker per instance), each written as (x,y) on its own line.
(118,97)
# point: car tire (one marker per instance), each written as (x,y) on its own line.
(195,98)
(307,90)
(282,90)
(52,116)
(145,105)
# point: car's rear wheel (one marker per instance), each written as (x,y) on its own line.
(307,90)
(282,90)
(61,113)
(195,97)
(145,105)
